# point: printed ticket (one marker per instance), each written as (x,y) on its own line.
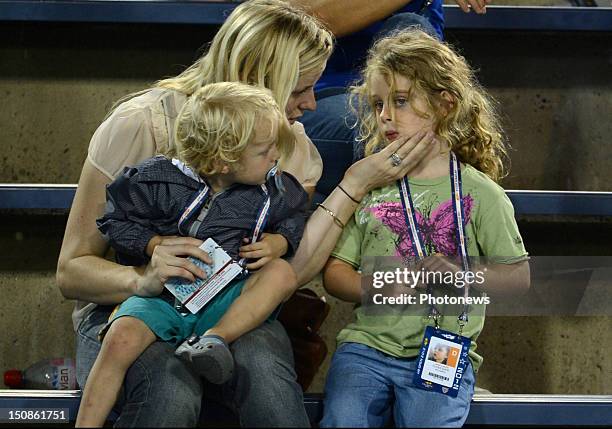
(195,295)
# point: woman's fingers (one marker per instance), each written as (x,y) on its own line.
(170,257)
(184,246)
(411,151)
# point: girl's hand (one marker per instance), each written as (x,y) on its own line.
(377,170)
(440,263)
(270,246)
(169,259)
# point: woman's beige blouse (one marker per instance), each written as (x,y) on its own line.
(142,127)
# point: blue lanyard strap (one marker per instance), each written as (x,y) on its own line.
(260,223)
(417,240)
(201,197)
(459,216)
(193,208)
(410,216)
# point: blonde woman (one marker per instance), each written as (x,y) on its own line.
(265,43)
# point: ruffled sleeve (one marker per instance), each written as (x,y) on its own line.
(305,163)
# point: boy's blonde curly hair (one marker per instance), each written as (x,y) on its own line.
(470,124)
(218,121)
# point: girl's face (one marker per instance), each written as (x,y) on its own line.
(394,112)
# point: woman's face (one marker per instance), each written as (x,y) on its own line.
(302,98)
(394,112)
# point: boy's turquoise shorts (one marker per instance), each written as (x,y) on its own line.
(168,324)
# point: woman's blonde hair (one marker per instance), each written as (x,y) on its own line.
(469,124)
(267,43)
(218,121)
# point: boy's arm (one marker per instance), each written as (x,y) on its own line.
(341,280)
(126,221)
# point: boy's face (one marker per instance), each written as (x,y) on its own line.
(394,112)
(260,155)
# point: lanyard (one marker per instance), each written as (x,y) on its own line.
(261,221)
(201,197)
(417,240)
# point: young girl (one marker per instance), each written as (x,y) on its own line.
(229,138)
(448,208)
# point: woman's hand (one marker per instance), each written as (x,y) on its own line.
(169,259)
(270,246)
(377,170)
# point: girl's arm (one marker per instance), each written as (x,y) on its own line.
(322,231)
(506,280)
(82,271)
(341,280)
(500,280)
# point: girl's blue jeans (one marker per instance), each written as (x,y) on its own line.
(368,388)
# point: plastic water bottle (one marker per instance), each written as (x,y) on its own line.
(57,374)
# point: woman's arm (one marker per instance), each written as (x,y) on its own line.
(82,271)
(341,280)
(322,232)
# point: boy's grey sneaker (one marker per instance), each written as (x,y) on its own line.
(210,357)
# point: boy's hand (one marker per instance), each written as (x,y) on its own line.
(270,246)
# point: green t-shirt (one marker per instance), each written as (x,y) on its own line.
(379,229)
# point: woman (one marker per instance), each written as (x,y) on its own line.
(266,43)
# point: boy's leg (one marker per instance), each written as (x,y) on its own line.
(155,376)
(416,407)
(126,339)
(358,392)
(220,324)
(262,293)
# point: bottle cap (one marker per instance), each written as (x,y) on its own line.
(13,378)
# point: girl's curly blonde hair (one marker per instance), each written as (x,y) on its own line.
(218,121)
(469,124)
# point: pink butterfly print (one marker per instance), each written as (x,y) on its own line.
(437,230)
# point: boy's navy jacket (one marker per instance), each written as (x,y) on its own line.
(148,200)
